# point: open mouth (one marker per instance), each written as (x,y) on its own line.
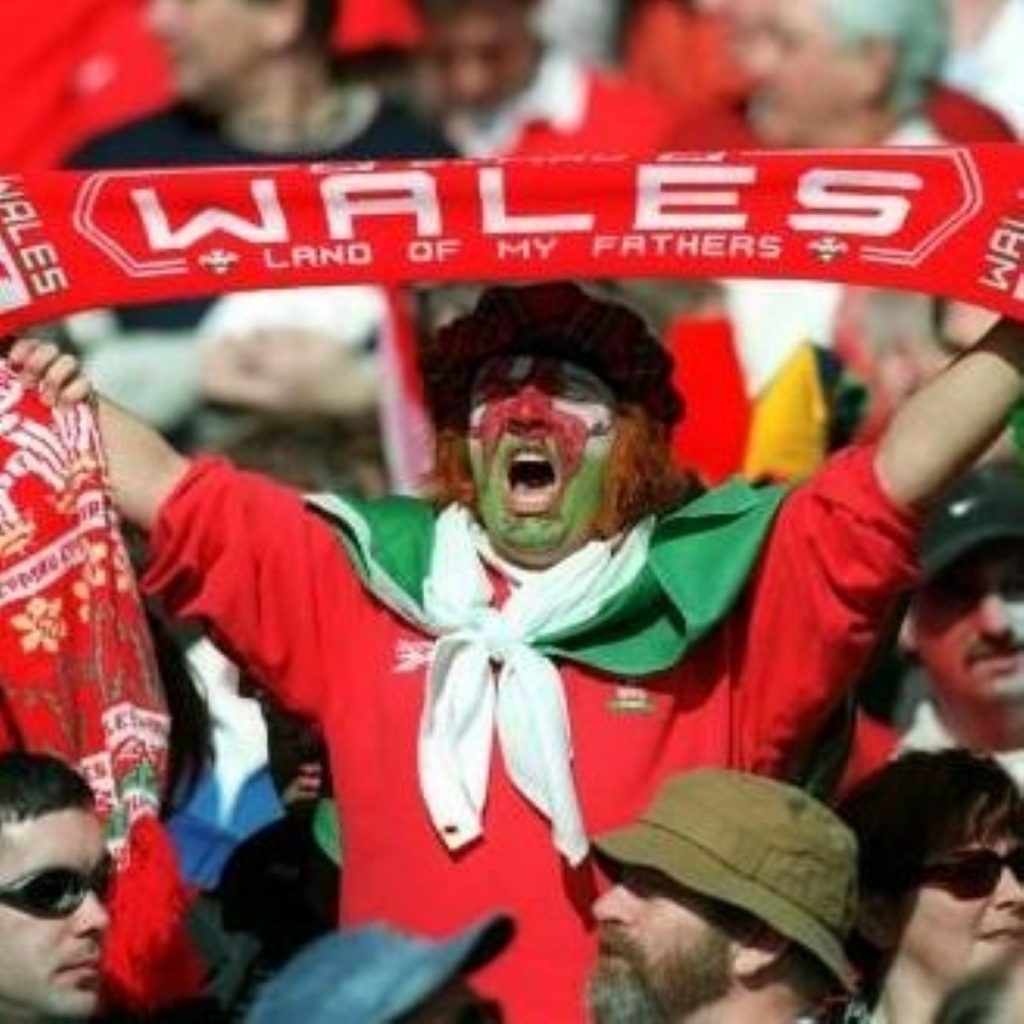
(532,484)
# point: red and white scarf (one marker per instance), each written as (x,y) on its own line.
(946,220)
(77,674)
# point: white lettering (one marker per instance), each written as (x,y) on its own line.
(271,227)
(498,221)
(423,250)
(880,212)
(387,194)
(666,198)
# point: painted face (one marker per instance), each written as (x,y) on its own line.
(967,627)
(49,967)
(540,434)
(659,957)
(949,935)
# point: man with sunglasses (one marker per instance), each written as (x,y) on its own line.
(54,873)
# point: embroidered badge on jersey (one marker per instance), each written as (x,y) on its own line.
(631,700)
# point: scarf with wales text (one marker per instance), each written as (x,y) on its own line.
(946,220)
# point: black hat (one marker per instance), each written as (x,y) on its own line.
(986,505)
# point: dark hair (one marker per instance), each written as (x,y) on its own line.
(442,10)
(919,807)
(312,452)
(34,784)
(321,16)
(925,804)
(190,743)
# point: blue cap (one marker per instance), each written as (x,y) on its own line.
(374,973)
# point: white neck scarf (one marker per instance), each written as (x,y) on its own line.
(525,703)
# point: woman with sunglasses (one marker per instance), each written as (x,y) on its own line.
(941,865)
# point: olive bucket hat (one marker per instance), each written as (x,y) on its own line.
(755,844)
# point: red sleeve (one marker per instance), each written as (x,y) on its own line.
(241,554)
(834,568)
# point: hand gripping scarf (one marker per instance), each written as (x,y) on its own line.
(78,675)
(945,220)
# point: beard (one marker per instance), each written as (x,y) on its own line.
(628,988)
(617,994)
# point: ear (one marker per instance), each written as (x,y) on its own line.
(880,921)
(757,953)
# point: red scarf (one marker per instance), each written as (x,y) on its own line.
(946,220)
(78,673)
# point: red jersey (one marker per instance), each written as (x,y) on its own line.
(271,580)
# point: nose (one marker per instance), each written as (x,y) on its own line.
(757,57)
(754,47)
(92,917)
(993,615)
(470,82)
(1009,893)
(530,407)
(614,906)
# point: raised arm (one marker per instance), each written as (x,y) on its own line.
(939,431)
(144,468)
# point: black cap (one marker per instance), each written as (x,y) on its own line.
(986,505)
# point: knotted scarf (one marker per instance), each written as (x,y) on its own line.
(524,701)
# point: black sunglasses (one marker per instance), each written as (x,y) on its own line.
(57,892)
(973,874)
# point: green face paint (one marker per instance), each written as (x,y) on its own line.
(541,432)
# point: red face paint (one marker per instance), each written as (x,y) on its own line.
(526,410)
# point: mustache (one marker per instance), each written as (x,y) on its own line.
(994,647)
(612,942)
